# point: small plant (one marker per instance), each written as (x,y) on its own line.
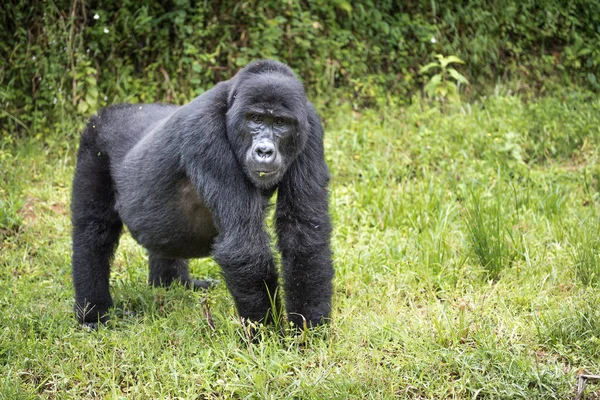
(586,254)
(445,84)
(487,231)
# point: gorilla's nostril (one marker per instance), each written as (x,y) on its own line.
(265,150)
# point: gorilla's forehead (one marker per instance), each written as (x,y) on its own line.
(272,93)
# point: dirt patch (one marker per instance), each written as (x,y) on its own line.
(28,211)
(34,207)
(59,209)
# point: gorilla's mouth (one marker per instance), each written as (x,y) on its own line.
(265,174)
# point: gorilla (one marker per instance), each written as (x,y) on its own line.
(195,181)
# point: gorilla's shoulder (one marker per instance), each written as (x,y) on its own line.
(126,109)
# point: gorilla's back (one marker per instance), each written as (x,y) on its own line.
(122,126)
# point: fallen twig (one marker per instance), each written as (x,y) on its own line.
(582,381)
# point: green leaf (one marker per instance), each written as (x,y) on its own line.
(91,97)
(91,101)
(436,79)
(429,66)
(91,81)
(458,76)
(449,60)
(344,5)
(82,107)
(433,84)
(451,87)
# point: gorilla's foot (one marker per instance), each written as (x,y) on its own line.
(89,326)
(91,314)
(206,284)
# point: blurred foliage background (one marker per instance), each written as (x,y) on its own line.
(61,59)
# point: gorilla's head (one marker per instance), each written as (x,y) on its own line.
(267,120)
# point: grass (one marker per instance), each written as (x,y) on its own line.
(467,266)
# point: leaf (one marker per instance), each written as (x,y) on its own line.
(451,87)
(82,107)
(344,5)
(429,66)
(449,60)
(91,101)
(436,79)
(433,84)
(458,76)
(92,93)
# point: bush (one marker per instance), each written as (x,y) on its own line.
(63,56)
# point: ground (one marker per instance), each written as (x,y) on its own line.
(467,256)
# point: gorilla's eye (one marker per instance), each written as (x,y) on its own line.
(279,121)
(256,118)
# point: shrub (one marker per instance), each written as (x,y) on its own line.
(66,56)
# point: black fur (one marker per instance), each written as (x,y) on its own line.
(194,181)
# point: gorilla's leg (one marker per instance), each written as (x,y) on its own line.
(96,230)
(250,273)
(165,271)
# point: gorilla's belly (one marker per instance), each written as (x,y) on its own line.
(179,227)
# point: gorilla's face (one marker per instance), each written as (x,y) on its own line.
(271,135)
(267,127)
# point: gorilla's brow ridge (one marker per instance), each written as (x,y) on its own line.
(279,110)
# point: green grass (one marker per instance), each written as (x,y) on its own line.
(467,266)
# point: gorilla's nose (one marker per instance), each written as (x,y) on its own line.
(264,152)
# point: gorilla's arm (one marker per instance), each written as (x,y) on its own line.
(304,229)
(242,247)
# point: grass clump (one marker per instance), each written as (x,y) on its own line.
(489,232)
(586,253)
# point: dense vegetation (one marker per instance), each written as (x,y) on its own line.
(466,217)
(65,58)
